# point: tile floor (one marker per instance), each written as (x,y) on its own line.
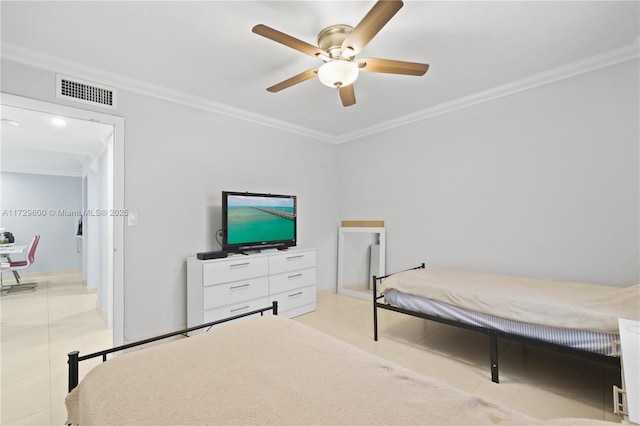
(534,381)
(38,329)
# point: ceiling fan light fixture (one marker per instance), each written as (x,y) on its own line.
(338,73)
(348,53)
(338,46)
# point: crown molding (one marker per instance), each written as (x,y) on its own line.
(59,65)
(626,53)
(63,66)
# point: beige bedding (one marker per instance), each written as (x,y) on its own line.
(553,303)
(271,370)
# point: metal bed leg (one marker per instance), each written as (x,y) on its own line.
(493,347)
(73,369)
(375,311)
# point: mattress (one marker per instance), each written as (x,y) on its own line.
(544,302)
(271,370)
(600,343)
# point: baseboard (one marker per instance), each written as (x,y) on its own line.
(101,311)
(326,291)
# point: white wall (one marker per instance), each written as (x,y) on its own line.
(40,194)
(541,183)
(177,161)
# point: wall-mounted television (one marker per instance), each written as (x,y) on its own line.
(253,221)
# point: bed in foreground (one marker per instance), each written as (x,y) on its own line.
(577,318)
(271,370)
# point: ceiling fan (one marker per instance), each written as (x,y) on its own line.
(337,47)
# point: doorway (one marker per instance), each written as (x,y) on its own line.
(103,174)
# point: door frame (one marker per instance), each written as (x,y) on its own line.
(116,274)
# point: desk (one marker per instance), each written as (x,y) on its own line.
(7,250)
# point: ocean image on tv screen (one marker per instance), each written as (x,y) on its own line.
(252,219)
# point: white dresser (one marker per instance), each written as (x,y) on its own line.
(220,288)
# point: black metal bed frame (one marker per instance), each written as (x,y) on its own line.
(492,333)
(75,358)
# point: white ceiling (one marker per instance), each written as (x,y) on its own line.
(30,143)
(205,50)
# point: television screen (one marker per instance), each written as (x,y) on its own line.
(255,221)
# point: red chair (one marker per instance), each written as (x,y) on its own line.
(15,266)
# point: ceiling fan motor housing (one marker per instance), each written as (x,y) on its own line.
(330,39)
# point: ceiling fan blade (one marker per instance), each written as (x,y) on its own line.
(370,25)
(303,76)
(390,66)
(288,41)
(347,95)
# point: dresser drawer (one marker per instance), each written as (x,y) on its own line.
(292,261)
(234,270)
(294,298)
(235,292)
(235,309)
(290,280)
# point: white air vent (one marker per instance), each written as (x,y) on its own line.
(87,92)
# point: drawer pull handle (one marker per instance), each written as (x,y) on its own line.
(239,309)
(294,276)
(239,264)
(300,256)
(295,294)
(233,287)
